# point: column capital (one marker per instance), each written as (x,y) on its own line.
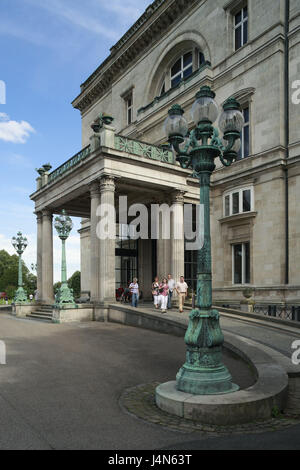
(178,196)
(39,216)
(47,213)
(107,183)
(94,188)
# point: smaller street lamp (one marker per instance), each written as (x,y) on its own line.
(203,372)
(64,225)
(20,243)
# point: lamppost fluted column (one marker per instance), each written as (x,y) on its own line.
(95,243)
(20,243)
(204,276)
(203,373)
(39,257)
(47,258)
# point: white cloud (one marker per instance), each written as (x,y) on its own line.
(13,131)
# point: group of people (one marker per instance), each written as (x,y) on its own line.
(162,292)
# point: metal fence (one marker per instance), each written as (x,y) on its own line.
(285,312)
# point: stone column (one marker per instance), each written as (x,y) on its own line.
(39,257)
(85,259)
(177,235)
(164,254)
(94,243)
(108,245)
(47,259)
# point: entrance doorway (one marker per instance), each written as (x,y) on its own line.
(126,257)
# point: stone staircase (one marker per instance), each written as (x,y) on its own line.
(44,312)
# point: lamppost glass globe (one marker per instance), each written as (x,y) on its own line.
(176,124)
(205,107)
(231,119)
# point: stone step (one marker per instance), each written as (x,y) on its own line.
(41,312)
(40,316)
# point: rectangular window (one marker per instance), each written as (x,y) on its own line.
(237,264)
(129,109)
(244,151)
(241,28)
(247,200)
(235,203)
(238,201)
(241,263)
(227,206)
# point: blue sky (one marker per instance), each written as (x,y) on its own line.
(47,49)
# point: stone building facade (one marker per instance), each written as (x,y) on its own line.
(246,49)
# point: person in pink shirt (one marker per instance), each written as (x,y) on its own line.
(163,295)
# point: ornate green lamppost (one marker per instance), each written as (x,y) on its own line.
(64,225)
(20,243)
(203,372)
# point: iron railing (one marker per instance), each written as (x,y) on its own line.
(70,164)
(142,149)
(285,312)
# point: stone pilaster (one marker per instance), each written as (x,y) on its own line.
(94,243)
(39,255)
(177,235)
(47,258)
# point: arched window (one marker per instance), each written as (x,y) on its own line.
(182,68)
(163,89)
(188,62)
(201,59)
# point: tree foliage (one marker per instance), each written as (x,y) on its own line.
(74,283)
(9,268)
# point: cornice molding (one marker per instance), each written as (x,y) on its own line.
(100,81)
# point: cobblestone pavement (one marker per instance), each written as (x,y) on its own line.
(140,402)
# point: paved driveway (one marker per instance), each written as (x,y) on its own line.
(61,385)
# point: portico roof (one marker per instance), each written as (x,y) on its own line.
(145,173)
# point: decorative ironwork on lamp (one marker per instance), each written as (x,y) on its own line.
(203,372)
(20,243)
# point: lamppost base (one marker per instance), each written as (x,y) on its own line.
(217,381)
(204,372)
(21,296)
(64,297)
